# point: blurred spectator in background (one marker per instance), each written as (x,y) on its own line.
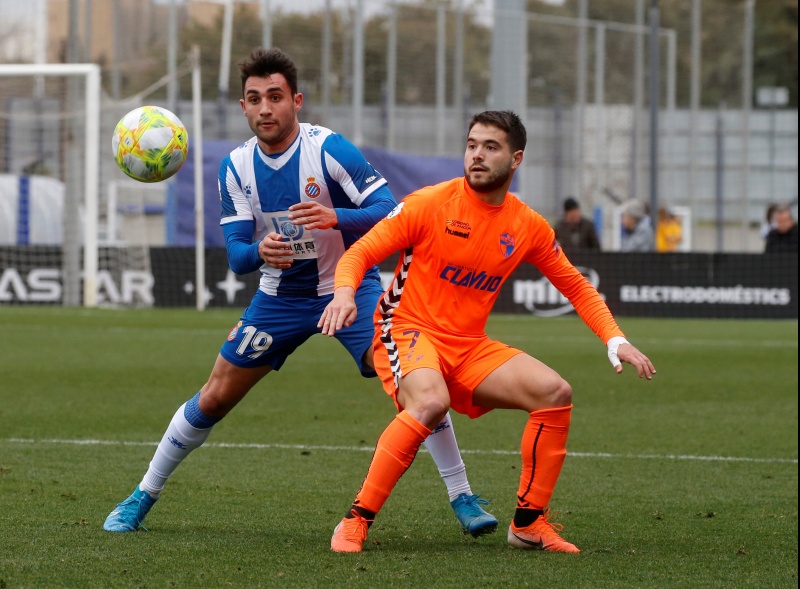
(669,231)
(575,232)
(783,237)
(637,229)
(767,225)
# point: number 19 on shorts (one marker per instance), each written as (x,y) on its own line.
(257,341)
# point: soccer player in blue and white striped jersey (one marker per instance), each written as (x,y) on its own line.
(294,198)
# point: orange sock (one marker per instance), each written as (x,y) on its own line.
(396,449)
(544,447)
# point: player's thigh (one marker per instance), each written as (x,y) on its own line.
(401,351)
(227,385)
(523,382)
(424,394)
(270,329)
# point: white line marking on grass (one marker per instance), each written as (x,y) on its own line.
(673,342)
(372,449)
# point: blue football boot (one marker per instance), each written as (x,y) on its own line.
(128,515)
(473,519)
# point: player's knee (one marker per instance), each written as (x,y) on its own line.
(561,396)
(213,404)
(428,409)
(436,408)
(430,414)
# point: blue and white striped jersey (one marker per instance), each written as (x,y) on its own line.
(320,166)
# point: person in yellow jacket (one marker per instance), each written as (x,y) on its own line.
(669,232)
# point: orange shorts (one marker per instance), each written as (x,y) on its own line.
(463,362)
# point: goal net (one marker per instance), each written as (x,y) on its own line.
(74,230)
(49,130)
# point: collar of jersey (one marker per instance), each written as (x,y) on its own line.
(483,205)
(277,160)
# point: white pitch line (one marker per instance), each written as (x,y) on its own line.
(372,449)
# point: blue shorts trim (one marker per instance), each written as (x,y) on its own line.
(273,327)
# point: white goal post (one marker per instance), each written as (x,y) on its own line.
(90,72)
(74,230)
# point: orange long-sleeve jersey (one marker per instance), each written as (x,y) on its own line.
(456,251)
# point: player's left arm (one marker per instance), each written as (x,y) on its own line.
(620,350)
(547,256)
(359,193)
(313,215)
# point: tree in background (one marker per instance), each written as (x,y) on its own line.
(551,51)
(775,43)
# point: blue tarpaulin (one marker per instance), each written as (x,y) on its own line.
(404,172)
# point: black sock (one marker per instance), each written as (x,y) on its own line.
(525,517)
(365,513)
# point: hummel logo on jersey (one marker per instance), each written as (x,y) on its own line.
(177,443)
(461,234)
(459,228)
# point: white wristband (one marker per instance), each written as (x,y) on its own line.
(613,345)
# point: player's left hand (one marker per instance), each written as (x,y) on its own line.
(644,367)
(312,215)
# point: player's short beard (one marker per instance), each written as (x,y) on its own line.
(495,180)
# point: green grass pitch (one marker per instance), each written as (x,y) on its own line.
(686,481)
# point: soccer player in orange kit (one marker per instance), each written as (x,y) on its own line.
(458,242)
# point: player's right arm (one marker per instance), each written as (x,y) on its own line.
(245,255)
(399,230)
(391,234)
(237,221)
(238,225)
(340,312)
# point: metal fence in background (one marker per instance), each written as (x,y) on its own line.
(407,75)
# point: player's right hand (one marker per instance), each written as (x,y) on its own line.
(275,252)
(340,312)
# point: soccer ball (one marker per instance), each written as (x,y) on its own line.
(150,144)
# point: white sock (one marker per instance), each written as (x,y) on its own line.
(179,439)
(442,446)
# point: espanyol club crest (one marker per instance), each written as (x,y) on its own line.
(312,188)
(507,243)
(234,331)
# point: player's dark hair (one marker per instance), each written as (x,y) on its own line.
(263,62)
(506,121)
